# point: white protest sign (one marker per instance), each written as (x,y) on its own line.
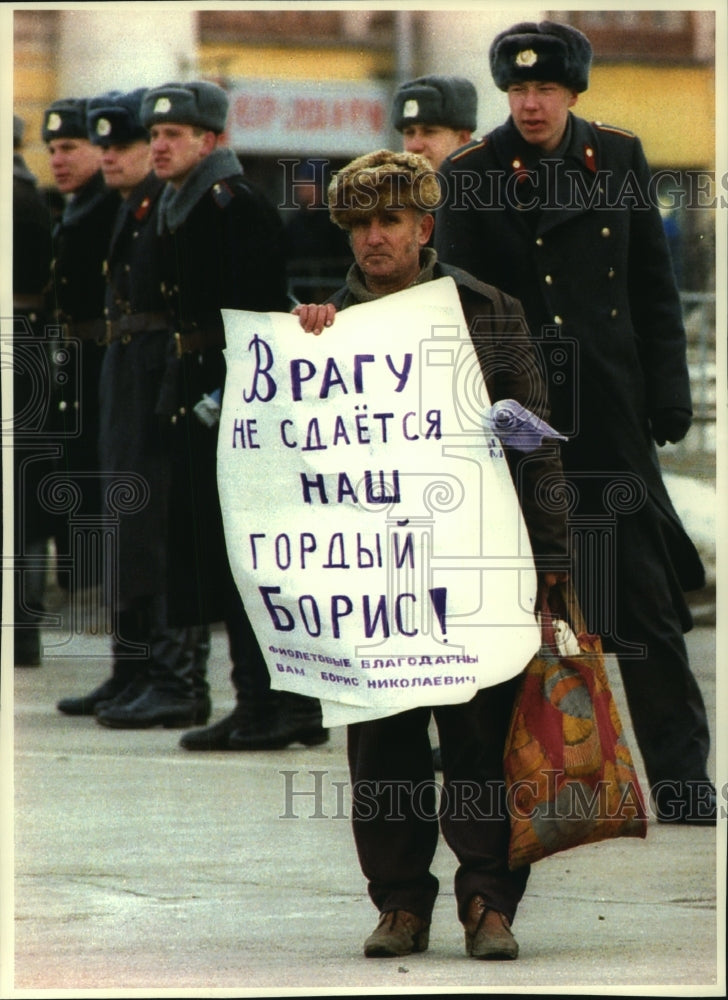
(372,525)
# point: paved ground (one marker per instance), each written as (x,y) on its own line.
(141,866)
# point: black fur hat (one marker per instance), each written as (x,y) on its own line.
(547,51)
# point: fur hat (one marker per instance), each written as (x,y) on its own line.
(113,119)
(382,180)
(556,53)
(198,103)
(65,119)
(436,100)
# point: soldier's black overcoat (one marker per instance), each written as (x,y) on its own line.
(133,451)
(225,254)
(579,240)
(75,299)
(33,448)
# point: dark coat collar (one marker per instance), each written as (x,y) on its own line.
(85,200)
(515,153)
(177,204)
(139,204)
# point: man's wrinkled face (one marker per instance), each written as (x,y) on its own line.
(73,163)
(387,243)
(540,111)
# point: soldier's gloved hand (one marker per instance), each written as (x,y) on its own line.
(670,424)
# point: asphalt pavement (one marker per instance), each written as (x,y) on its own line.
(141,867)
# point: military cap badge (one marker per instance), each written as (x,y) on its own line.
(526,57)
(162,106)
(411,109)
(54,122)
(103,127)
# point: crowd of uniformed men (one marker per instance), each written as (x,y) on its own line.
(160,231)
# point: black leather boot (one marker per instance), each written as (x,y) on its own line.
(136,686)
(174,697)
(86,704)
(154,707)
(256,706)
(131,636)
(217,736)
(284,719)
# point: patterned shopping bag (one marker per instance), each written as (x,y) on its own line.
(570,777)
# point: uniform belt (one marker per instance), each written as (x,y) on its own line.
(199,340)
(125,327)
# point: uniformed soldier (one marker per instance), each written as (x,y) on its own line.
(435,115)
(134,458)
(75,299)
(221,245)
(545,221)
(32,452)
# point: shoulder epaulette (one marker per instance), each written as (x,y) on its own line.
(613,128)
(143,209)
(466,150)
(222,194)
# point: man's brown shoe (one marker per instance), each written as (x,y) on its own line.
(397,933)
(488,932)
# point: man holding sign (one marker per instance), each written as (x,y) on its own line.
(384,201)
